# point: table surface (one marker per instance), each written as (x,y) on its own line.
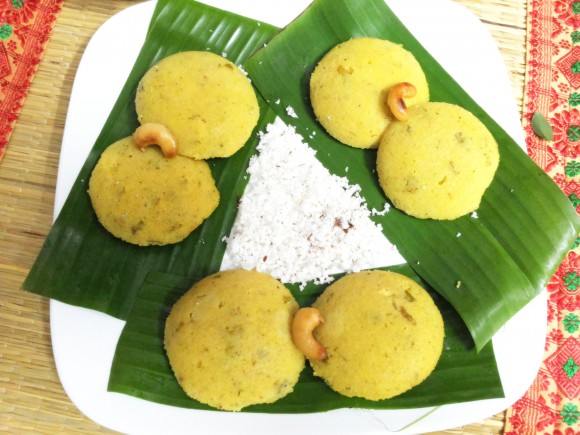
(31,397)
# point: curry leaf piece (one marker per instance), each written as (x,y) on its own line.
(507,252)
(81,263)
(140,366)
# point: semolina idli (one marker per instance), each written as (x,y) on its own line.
(438,163)
(350,85)
(207,103)
(382,332)
(146,199)
(229,343)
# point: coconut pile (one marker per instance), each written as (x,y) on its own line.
(298,222)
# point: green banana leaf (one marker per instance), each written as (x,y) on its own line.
(81,263)
(525,224)
(140,366)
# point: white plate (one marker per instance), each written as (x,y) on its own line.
(84,341)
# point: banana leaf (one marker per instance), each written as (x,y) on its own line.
(140,366)
(82,264)
(525,224)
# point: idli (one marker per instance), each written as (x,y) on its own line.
(144,198)
(205,101)
(438,163)
(228,340)
(350,85)
(382,332)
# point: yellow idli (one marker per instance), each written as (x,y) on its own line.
(438,163)
(146,199)
(228,340)
(382,332)
(350,84)
(207,103)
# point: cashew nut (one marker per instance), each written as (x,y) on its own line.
(396,102)
(304,323)
(155,134)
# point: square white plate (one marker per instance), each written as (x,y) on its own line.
(84,341)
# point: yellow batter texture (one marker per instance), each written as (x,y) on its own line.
(350,84)
(383,334)
(146,199)
(207,103)
(228,340)
(438,163)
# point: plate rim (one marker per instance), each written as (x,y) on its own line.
(57,308)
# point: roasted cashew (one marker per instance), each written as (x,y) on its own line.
(155,134)
(304,323)
(396,102)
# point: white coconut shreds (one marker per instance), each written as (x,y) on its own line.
(298,222)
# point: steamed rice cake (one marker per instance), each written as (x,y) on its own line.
(438,163)
(207,103)
(146,199)
(382,332)
(350,84)
(229,343)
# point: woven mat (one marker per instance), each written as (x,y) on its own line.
(31,397)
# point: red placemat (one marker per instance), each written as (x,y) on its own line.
(552,87)
(25,26)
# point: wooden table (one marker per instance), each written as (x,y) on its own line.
(31,397)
